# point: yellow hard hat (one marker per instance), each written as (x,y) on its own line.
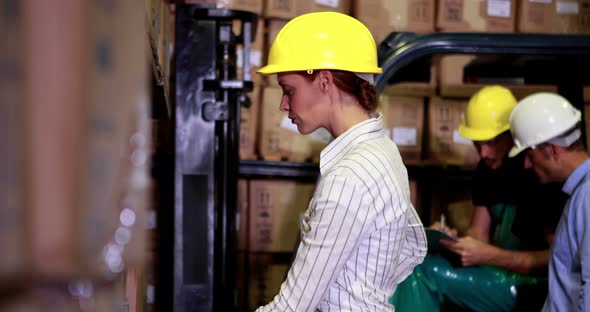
(487,113)
(323,40)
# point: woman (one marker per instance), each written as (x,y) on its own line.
(360,235)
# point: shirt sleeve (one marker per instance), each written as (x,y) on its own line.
(582,206)
(339,215)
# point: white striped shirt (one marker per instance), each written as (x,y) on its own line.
(360,235)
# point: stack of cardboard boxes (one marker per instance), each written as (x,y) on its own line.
(75,127)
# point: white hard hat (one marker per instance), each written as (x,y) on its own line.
(543,118)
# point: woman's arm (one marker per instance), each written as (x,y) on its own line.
(340,214)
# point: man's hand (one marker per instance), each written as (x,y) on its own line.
(450,231)
(472,251)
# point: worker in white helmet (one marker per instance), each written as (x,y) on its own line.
(547,128)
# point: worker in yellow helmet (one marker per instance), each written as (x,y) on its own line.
(360,235)
(501,262)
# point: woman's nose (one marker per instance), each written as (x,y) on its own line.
(284,106)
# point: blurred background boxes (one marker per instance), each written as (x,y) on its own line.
(445,145)
(75,145)
(249,125)
(243,5)
(404,121)
(476,15)
(266,277)
(456,81)
(554,16)
(383,17)
(103,91)
(13,218)
(278,137)
(275,210)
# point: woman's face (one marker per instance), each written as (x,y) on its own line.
(302,100)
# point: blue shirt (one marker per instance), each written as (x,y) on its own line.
(569,266)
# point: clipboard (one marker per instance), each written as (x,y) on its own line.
(433,237)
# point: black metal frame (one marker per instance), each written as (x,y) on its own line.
(208,96)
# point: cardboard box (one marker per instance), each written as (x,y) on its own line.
(275,210)
(273,26)
(308,6)
(87,187)
(404,119)
(116,127)
(476,16)
(286,9)
(452,84)
(266,277)
(383,17)
(254,6)
(243,200)
(445,145)
(558,17)
(13,240)
(274,141)
(249,125)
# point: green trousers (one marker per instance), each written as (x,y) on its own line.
(478,288)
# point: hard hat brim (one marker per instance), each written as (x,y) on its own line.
(480,134)
(275,68)
(516,150)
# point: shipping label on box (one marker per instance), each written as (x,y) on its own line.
(275,209)
(404,116)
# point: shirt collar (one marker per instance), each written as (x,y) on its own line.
(369,129)
(576,177)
